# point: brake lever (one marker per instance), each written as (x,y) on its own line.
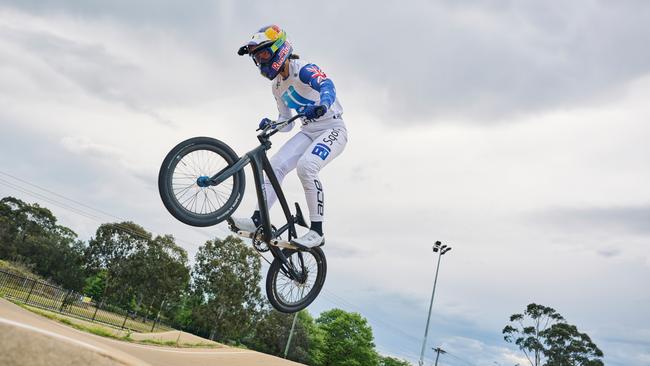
(276,123)
(271,125)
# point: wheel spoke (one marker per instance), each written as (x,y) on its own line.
(290,292)
(200,200)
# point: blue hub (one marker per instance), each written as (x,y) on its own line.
(203,181)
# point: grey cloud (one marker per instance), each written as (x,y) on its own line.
(89,66)
(144,12)
(610,252)
(632,220)
(449,61)
(108,156)
(475,60)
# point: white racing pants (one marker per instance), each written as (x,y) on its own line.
(308,152)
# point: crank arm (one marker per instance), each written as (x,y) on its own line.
(283,244)
(275,242)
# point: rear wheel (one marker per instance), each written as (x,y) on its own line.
(183,176)
(289,295)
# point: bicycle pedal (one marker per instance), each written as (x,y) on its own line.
(283,244)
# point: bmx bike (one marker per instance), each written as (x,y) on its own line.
(201,183)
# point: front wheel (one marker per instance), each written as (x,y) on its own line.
(289,295)
(183,176)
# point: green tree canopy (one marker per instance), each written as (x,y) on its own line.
(546,339)
(155,273)
(391,361)
(347,339)
(226,277)
(113,243)
(272,332)
(95,285)
(29,233)
(565,345)
(136,270)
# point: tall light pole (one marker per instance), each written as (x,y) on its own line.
(293,326)
(441,250)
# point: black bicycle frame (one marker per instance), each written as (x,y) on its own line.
(260,165)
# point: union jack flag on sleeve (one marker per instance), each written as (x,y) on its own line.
(313,76)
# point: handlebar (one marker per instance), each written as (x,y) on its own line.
(278,125)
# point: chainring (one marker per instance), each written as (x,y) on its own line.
(258,243)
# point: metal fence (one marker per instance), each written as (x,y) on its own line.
(43,295)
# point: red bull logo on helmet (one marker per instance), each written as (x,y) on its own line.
(282,55)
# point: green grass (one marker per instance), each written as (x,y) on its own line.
(159,343)
(39,299)
(94,330)
(180,345)
(107,334)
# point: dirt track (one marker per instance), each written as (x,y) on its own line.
(27,338)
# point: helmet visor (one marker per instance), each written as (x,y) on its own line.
(262,55)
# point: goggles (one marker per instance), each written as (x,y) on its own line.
(262,54)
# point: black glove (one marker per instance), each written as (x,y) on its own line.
(264,122)
(243,50)
(315,111)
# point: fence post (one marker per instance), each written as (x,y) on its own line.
(125,316)
(30,292)
(157,316)
(65,298)
(96,308)
(3,278)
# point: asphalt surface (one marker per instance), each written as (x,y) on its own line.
(30,339)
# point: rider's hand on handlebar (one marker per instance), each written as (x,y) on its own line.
(264,123)
(315,111)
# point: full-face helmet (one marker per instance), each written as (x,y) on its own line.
(269,49)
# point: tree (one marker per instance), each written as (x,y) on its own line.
(30,234)
(155,273)
(109,251)
(272,333)
(113,243)
(347,339)
(391,361)
(541,333)
(59,256)
(227,276)
(22,222)
(138,272)
(95,285)
(567,346)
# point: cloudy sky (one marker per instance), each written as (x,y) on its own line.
(515,131)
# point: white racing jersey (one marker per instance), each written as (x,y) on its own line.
(307,85)
(318,142)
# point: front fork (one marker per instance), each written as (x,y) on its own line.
(296,273)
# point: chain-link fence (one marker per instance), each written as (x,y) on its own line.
(46,296)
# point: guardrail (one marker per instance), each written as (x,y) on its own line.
(43,295)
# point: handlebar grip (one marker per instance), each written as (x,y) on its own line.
(273,125)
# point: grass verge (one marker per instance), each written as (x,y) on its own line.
(94,330)
(107,334)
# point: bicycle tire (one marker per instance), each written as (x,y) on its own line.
(212,148)
(276,299)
